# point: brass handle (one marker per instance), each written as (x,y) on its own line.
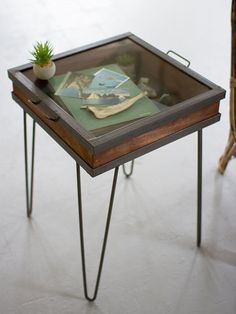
(44,109)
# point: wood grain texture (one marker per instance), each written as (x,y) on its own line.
(130,145)
(156,134)
(193,93)
(57,127)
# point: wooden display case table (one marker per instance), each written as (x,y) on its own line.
(193,103)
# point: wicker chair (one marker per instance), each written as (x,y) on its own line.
(230,149)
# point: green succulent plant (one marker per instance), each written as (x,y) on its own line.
(42,53)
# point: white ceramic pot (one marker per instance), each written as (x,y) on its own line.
(44,72)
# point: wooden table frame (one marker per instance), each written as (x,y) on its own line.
(99,154)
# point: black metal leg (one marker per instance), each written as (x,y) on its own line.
(199,189)
(105,234)
(29,189)
(128,174)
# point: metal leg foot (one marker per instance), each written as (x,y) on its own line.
(29,182)
(128,174)
(105,234)
(199,189)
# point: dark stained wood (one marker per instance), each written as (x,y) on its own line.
(97,160)
(155,145)
(155,135)
(56,126)
(151,61)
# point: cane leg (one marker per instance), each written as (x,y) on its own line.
(228,153)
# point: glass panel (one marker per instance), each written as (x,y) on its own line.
(164,85)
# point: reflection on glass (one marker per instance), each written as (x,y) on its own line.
(163,84)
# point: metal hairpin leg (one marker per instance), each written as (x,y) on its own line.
(131,169)
(29,189)
(105,234)
(199,189)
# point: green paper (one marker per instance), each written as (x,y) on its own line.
(142,108)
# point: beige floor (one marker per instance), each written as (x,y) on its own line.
(152,265)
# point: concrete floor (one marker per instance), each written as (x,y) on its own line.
(152,264)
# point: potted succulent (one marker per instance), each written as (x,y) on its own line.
(43,66)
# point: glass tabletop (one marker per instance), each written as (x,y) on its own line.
(115,84)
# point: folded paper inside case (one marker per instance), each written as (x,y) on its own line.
(102,112)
